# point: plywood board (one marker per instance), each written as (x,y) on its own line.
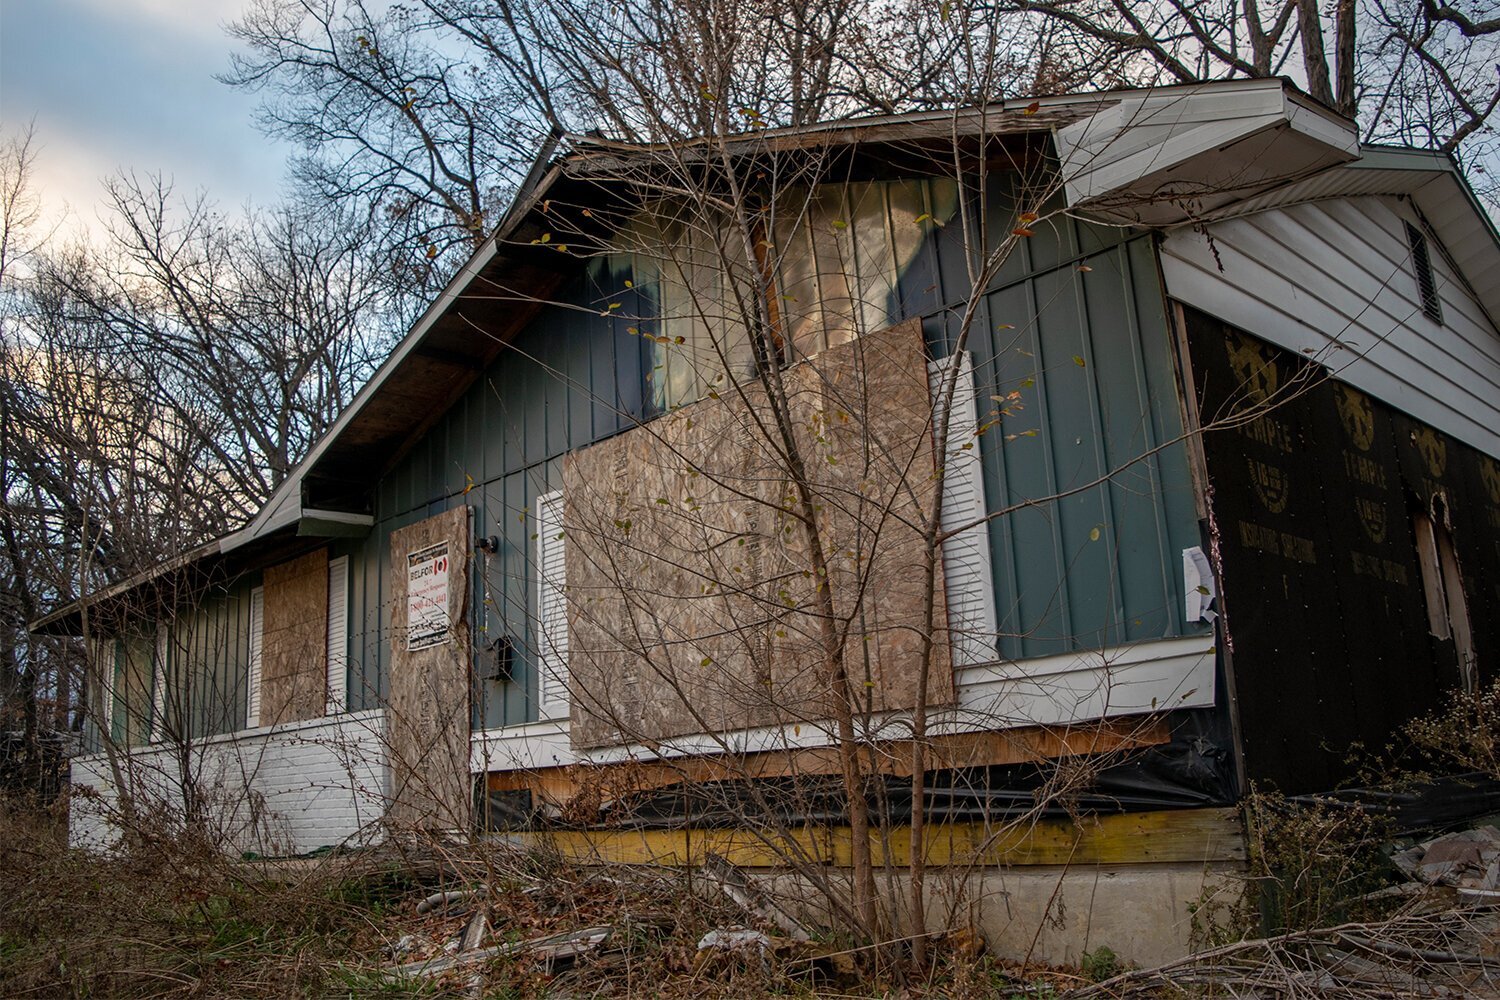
(294,647)
(429,676)
(692,590)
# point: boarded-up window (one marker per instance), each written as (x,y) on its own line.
(552,608)
(695,602)
(338,634)
(294,652)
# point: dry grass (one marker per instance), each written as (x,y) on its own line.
(169,917)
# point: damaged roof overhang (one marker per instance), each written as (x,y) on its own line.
(1185,156)
(513,276)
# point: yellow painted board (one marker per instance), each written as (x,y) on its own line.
(1190,835)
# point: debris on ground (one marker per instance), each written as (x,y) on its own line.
(550,949)
(1468,860)
(734,883)
(1442,940)
(735,939)
(446,902)
(1448,954)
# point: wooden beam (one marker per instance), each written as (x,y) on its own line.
(560,786)
(1193,836)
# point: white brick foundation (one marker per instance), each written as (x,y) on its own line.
(276,790)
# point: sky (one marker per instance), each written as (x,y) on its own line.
(129,84)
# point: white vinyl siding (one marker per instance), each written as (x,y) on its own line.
(257,632)
(1308,276)
(551,608)
(338,635)
(966,555)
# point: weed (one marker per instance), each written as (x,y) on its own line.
(1100,964)
(1462,735)
(1312,863)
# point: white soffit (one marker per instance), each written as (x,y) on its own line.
(1160,158)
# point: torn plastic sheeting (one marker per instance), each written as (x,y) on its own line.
(1440,804)
(1190,772)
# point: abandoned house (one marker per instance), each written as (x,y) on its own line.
(558,574)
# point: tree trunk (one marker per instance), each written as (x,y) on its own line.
(1344,57)
(1310,25)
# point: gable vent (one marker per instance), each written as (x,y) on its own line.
(1421,262)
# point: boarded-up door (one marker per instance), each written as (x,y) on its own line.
(430,656)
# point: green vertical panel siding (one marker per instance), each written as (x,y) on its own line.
(1041,622)
(574,377)
(1090,354)
(1073,432)
(208,662)
(474,458)
(507,578)
(570,378)
(1128,435)
(457,459)
(518,594)
(366,620)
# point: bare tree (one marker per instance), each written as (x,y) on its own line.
(155,390)
(427,116)
(1410,71)
(392,122)
(255,334)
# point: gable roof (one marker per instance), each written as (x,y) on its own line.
(1160,157)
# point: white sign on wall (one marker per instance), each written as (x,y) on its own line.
(427,597)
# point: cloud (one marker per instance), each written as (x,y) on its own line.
(132,86)
(202,18)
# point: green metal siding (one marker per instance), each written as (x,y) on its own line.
(208,661)
(575,377)
(1098,429)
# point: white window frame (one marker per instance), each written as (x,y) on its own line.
(967,566)
(257,642)
(338,636)
(159,663)
(552,697)
(107,685)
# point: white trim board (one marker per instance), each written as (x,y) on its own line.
(1158,675)
(337,663)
